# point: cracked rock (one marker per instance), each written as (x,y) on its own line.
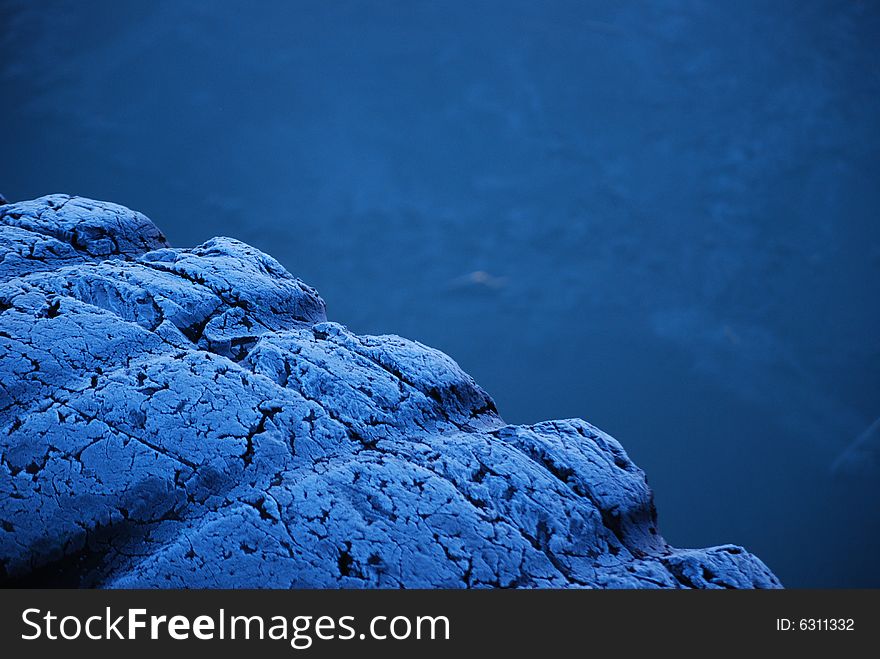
(190,418)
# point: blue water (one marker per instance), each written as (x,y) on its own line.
(661,217)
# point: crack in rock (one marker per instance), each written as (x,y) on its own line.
(190,418)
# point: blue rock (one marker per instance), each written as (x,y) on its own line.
(861,459)
(190,418)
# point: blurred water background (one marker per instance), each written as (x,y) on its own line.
(661,217)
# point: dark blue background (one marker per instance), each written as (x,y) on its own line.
(661,217)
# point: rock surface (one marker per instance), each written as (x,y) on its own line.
(189,418)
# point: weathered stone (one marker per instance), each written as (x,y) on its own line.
(189,417)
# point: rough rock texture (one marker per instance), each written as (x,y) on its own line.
(189,418)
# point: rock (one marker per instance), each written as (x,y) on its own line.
(189,417)
(861,459)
